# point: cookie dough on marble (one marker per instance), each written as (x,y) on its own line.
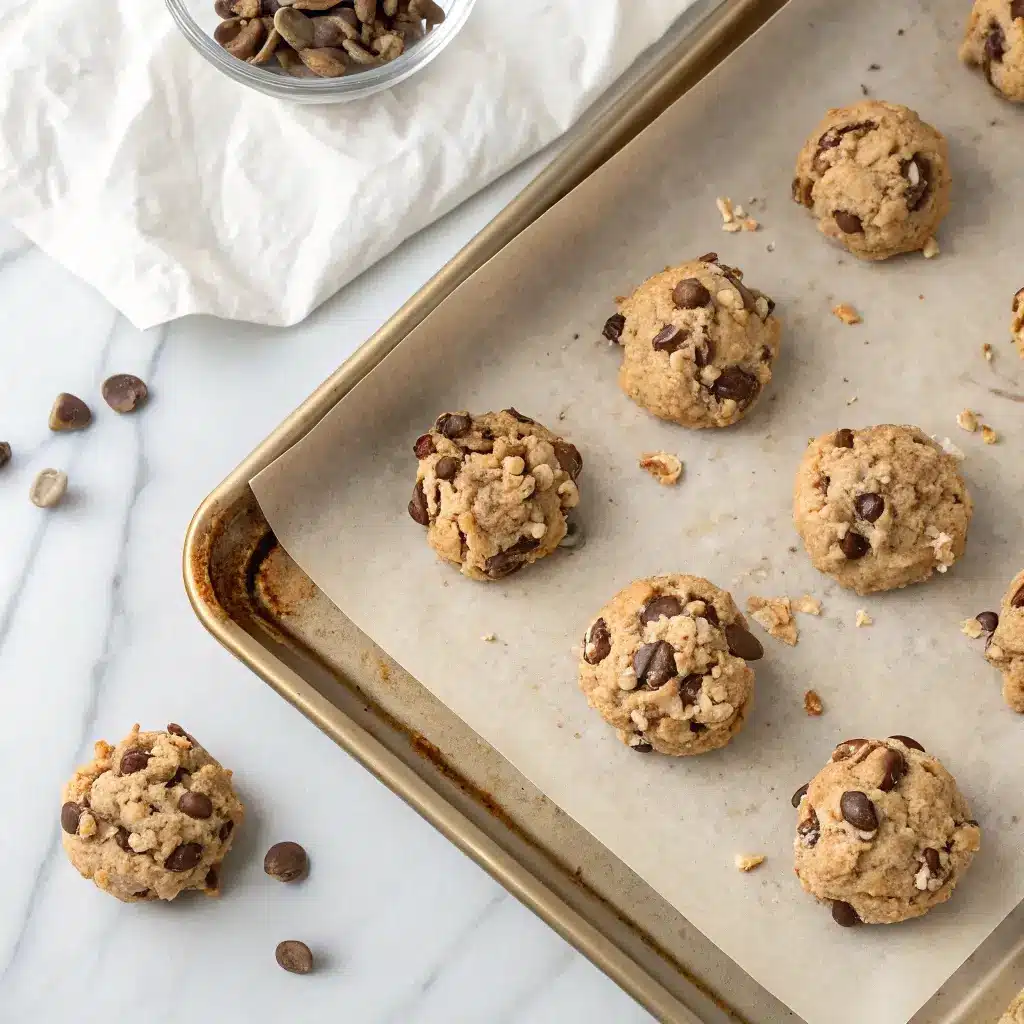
(881,507)
(883,832)
(994,42)
(665,663)
(1017,323)
(151,817)
(1005,647)
(698,344)
(1014,1012)
(876,178)
(493,490)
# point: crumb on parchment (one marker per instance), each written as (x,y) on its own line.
(663,466)
(807,604)
(775,616)
(812,704)
(734,217)
(749,861)
(987,352)
(966,420)
(847,313)
(863,619)
(931,249)
(988,435)
(971,628)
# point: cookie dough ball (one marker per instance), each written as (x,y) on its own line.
(151,817)
(995,43)
(1014,1012)
(493,490)
(1005,648)
(665,663)
(1017,323)
(881,507)
(876,178)
(883,832)
(698,344)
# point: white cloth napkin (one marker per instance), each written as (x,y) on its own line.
(172,190)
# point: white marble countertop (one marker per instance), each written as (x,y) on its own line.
(96,633)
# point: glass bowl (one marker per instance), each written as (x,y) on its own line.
(196,20)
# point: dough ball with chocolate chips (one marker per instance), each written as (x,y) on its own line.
(995,43)
(493,490)
(698,344)
(883,833)
(876,178)
(665,664)
(880,508)
(151,817)
(1005,647)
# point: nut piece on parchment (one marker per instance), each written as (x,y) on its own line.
(663,466)
(749,861)
(775,615)
(334,37)
(124,392)
(69,412)
(294,956)
(812,704)
(48,488)
(847,314)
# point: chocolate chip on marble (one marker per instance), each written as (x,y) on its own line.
(907,741)
(196,805)
(665,605)
(613,327)
(453,424)
(988,621)
(849,223)
(48,488)
(844,915)
(854,546)
(69,815)
(1017,601)
(843,438)
(69,412)
(710,614)
(179,776)
(847,749)
(869,507)
(690,294)
(5,453)
(294,956)
(184,857)
(287,862)
(424,446)
(736,384)
(668,339)
(858,810)
(569,458)
(643,747)
(691,688)
(447,467)
(418,505)
(799,794)
(931,858)
(121,838)
(809,830)
(506,562)
(124,392)
(597,644)
(894,767)
(654,664)
(225,830)
(134,761)
(742,643)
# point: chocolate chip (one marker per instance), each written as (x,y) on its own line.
(124,392)
(176,730)
(1016,9)
(453,424)
(5,453)
(743,643)
(613,326)
(447,468)
(894,767)
(424,446)
(569,458)
(294,956)
(854,545)
(1017,601)
(908,742)
(736,384)
(141,894)
(654,664)
(184,857)
(121,838)
(847,749)
(598,643)
(803,189)
(708,257)
(869,506)
(134,761)
(691,688)
(286,862)
(995,43)
(931,858)
(69,815)
(971,821)
(641,748)
(733,276)
(844,915)
(809,830)
(858,810)
(710,614)
(69,412)
(849,223)
(766,355)
(665,605)
(832,138)
(690,294)
(704,353)
(418,505)
(799,794)
(225,830)
(823,483)
(697,726)
(506,562)
(843,438)
(179,776)
(668,339)
(988,620)
(195,805)
(919,168)
(212,880)
(516,414)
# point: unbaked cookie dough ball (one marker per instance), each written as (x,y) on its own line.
(698,344)
(493,490)
(1005,647)
(995,43)
(876,178)
(151,817)
(881,507)
(665,664)
(883,832)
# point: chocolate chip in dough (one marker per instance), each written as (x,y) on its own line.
(704,353)
(124,392)
(287,862)
(908,742)
(854,546)
(212,880)
(665,605)
(799,794)
(917,170)
(424,446)
(179,776)
(453,424)
(5,453)
(613,327)
(847,749)
(691,688)
(184,857)
(134,761)
(121,837)
(931,858)
(196,805)
(894,767)
(697,726)
(844,915)
(1017,601)
(176,730)
(506,562)
(809,829)
(225,830)
(988,620)
(690,294)
(294,956)
(995,43)
(869,507)
(447,468)
(742,643)
(849,223)
(736,384)
(668,339)
(516,414)
(418,505)
(569,458)
(710,614)
(69,815)
(643,747)
(858,810)
(709,257)
(69,412)
(1016,9)
(597,644)
(843,438)
(655,664)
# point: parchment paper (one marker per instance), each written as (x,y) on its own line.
(525,331)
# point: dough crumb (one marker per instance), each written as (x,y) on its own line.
(749,861)
(986,351)
(847,314)
(812,704)
(774,615)
(931,248)
(850,401)
(863,619)
(988,435)
(971,628)
(488,638)
(950,449)
(807,604)
(663,466)
(966,420)
(725,208)
(940,541)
